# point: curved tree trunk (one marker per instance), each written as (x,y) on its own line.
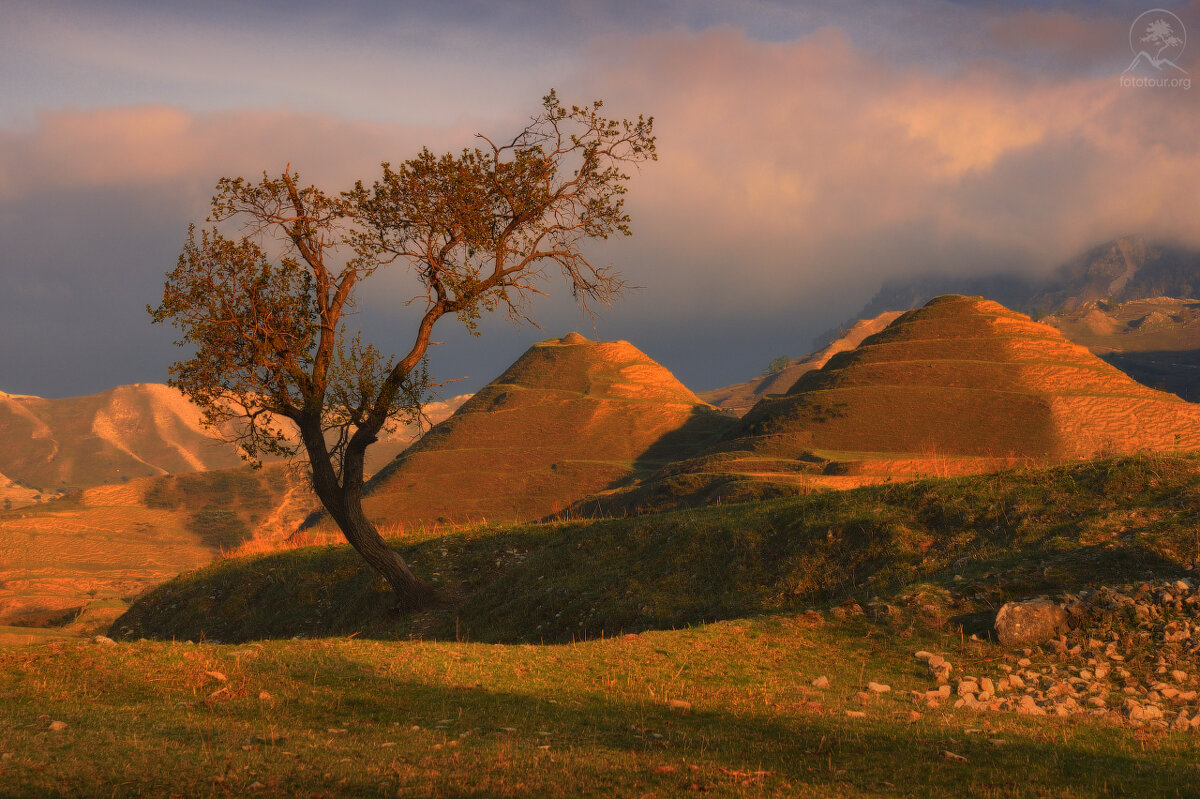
(343,501)
(411,591)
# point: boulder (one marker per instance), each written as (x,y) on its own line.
(1031,622)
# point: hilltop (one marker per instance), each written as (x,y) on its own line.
(571,417)
(961,385)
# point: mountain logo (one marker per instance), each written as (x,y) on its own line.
(1157,39)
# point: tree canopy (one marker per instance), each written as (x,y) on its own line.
(264,311)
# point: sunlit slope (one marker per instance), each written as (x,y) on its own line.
(125,432)
(1155,341)
(742,396)
(118,540)
(49,446)
(965,376)
(961,385)
(570,418)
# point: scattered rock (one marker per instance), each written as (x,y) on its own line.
(946,754)
(103,640)
(216,675)
(878,688)
(58,726)
(1030,622)
(821,682)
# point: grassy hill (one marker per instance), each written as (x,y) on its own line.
(773,698)
(1010,534)
(570,418)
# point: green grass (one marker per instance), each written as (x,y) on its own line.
(602,718)
(474,698)
(984,538)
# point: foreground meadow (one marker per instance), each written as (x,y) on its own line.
(660,655)
(726,709)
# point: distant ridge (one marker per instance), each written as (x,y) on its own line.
(571,417)
(51,446)
(123,433)
(741,397)
(1123,269)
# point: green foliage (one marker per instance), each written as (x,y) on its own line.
(776,365)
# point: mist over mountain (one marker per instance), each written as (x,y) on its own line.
(1124,269)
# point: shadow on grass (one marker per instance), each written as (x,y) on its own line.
(601,745)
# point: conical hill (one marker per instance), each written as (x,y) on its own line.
(960,385)
(966,377)
(570,418)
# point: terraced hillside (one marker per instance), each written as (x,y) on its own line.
(571,417)
(966,377)
(961,385)
(1155,341)
(741,397)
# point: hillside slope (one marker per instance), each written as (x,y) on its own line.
(961,385)
(740,397)
(571,417)
(118,540)
(1156,341)
(52,446)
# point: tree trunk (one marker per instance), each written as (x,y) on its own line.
(343,501)
(411,591)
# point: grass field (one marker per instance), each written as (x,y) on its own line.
(724,709)
(662,655)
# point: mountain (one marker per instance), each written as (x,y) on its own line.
(571,417)
(961,385)
(123,433)
(52,446)
(1156,341)
(1127,268)
(740,397)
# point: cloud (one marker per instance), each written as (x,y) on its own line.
(793,177)
(793,161)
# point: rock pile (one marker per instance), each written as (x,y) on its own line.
(1132,655)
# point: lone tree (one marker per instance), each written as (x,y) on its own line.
(264,313)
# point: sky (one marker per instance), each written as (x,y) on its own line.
(807,152)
